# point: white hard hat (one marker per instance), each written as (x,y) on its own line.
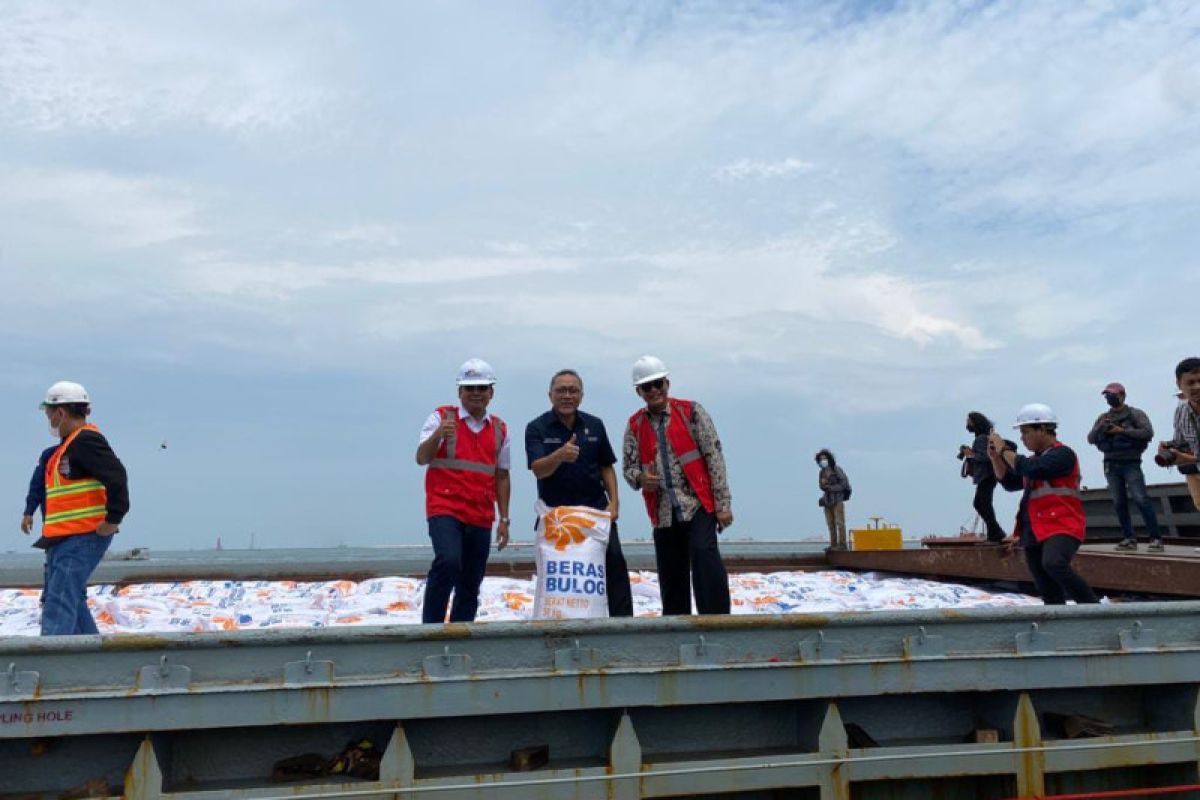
(64,392)
(1036,414)
(476,372)
(648,368)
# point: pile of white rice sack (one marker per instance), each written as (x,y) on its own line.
(256,605)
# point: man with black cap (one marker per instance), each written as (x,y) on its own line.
(1123,433)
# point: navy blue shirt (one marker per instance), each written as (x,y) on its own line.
(580,483)
(36,498)
(1053,462)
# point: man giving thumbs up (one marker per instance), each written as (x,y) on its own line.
(570,455)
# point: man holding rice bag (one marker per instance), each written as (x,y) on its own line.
(467,454)
(672,453)
(570,455)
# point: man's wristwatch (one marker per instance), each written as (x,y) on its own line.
(505,520)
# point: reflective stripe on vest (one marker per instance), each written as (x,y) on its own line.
(1054,490)
(72,507)
(1055,505)
(458,463)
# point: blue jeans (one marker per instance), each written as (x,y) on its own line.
(1127,475)
(460,554)
(69,564)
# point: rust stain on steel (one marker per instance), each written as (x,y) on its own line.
(1108,571)
(318,700)
(730,622)
(135,641)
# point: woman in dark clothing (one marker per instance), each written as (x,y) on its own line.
(978,466)
(835,491)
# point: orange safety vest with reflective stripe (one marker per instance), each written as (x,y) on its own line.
(461,479)
(72,507)
(1055,506)
(682,444)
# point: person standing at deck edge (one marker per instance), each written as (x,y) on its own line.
(1050,520)
(671,453)
(87,497)
(467,453)
(835,491)
(1123,433)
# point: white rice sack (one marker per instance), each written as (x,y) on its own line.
(571,542)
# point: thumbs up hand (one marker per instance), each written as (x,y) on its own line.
(569,452)
(449,426)
(650,479)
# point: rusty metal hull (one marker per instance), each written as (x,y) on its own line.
(1174,573)
(682,707)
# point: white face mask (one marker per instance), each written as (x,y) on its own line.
(54,431)
(822,463)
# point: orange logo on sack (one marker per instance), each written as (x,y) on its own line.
(565,527)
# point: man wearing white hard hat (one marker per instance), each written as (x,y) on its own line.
(466,452)
(672,454)
(86,498)
(1050,520)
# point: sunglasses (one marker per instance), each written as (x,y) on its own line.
(476,388)
(651,386)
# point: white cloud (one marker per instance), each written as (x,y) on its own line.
(132,68)
(1075,354)
(745,168)
(364,234)
(226,274)
(115,211)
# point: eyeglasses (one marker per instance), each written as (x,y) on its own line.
(567,390)
(651,386)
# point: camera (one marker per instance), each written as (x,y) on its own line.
(1168,457)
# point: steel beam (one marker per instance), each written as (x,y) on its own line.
(1115,572)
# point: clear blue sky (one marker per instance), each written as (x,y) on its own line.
(268,233)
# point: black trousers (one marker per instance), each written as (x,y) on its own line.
(616,578)
(1049,563)
(987,512)
(688,559)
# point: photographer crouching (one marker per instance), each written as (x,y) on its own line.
(1050,521)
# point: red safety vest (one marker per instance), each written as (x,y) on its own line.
(72,507)
(1055,506)
(683,445)
(461,479)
